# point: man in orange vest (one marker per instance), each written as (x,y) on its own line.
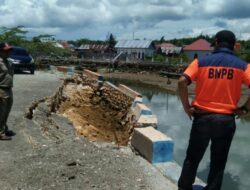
(218,78)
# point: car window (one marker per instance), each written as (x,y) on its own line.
(19,52)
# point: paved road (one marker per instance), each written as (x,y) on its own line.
(46,154)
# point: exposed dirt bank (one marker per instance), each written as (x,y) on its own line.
(92,117)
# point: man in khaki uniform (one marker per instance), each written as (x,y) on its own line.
(6,96)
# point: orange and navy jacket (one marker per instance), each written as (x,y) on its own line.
(218,77)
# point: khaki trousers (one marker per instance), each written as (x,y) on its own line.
(6,103)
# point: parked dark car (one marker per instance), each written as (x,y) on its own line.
(21,60)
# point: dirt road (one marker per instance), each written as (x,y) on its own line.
(45,154)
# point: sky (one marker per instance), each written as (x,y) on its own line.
(127,19)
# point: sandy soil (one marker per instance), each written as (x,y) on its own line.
(91,119)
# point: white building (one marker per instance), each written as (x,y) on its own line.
(47,39)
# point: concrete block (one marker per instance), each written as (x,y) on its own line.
(93,75)
(137,100)
(106,83)
(155,146)
(147,120)
(141,109)
(62,69)
(129,91)
(111,85)
(52,67)
(70,70)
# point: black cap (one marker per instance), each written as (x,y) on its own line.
(5,47)
(225,36)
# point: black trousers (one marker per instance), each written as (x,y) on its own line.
(217,128)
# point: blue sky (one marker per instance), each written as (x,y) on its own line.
(150,19)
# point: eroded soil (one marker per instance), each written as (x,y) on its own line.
(91,117)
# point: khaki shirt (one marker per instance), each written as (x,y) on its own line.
(6,77)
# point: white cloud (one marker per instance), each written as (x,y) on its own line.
(213,6)
(122,17)
(45,30)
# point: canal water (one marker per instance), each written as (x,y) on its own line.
(173,121)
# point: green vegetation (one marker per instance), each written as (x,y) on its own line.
(79,42)
(111,40)
(17,36)
(185,41)
(244,52)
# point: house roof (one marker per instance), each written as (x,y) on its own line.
(57,44)
(199,45)
(133,44)
(99,46)
(96,47)
(64,44)
(84,47)
(166,45)
(171,50)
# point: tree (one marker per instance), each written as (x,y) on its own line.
(247,44)
(162,39)
(17,36)
(111,40)
(83,41)
(14,35)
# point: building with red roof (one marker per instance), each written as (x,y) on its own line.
(237,46)
(198,48)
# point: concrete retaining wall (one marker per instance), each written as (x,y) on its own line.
(115,97)
(155,146)
(129,92)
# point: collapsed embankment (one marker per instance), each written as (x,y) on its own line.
(98,112)
(46,154)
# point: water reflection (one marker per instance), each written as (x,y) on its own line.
(173,121)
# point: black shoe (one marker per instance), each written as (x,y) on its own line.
(10,133)
(4,137)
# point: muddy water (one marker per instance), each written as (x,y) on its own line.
(173,122)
